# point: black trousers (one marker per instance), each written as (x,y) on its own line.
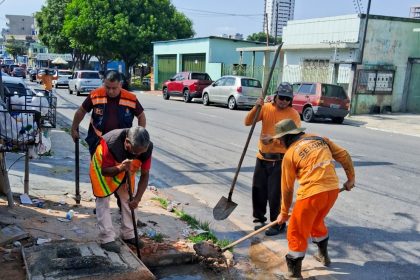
(266,187)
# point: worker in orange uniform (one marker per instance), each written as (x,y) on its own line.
(309,159)
(47,79)
(267,173)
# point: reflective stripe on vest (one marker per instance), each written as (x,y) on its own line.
(104,186)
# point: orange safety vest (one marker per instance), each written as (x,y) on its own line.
(104,186)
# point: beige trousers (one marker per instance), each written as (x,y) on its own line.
(103,216)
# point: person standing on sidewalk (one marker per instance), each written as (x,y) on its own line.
(267,173)
(119,151)
(309,158)
(47,78)
(112,108)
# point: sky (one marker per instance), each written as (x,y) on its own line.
(209,16)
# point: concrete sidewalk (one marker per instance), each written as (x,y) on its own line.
(399,123)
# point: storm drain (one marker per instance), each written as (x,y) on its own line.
(71,260)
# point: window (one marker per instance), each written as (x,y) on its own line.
(229,82)
(179,77)
(200,76)
(307,89)
(220,82)
(250,83)
(89,75)
(20,89)
(333,91)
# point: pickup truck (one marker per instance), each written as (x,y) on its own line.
(189,85)
(84,81)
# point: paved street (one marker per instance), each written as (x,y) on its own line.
(374,229)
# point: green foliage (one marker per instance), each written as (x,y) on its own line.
(163,202)
(262,37)
(123,29)
(158,237)
(16,48)
(50,22)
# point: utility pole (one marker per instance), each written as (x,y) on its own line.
(277,21)
(364,32)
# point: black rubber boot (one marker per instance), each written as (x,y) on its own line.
(322,255)
(294,267)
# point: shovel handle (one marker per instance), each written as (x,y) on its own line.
(133,216)
(249,235)
(264,93)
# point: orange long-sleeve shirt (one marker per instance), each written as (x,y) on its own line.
(270,115)
(47,80)
(311,162)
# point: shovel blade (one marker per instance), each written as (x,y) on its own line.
(223,208)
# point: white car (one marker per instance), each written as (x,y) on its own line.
(234,91)
(63,78)
(84,81)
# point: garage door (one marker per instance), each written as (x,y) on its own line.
(413,101)
(194,62)
(166,68)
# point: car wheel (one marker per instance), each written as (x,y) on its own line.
(308,114)
(70,91)
(232,103)
(165,93)
(206,100)
(77,92)
(338,120)
(186,95)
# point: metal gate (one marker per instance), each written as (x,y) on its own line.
(166,68)
(194,62)
(413,97)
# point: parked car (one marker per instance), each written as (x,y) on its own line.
(19,72)
(84,81)
(189,85)
(17,87)
(11,67)
(321,100)
(63,78)
(233,91)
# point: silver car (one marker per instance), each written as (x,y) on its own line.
(234,91)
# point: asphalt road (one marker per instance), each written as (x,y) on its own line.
(374,229)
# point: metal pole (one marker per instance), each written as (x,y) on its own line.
(26,180)
(77,168)
(277,21)
(364,32)
(5,184)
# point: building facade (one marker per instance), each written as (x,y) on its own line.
(415,12)
(329,50)
(18,25)
(216,56)
(278,13)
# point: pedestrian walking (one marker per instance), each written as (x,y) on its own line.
(119,151)
(47,78)
(309,159)
(266,180)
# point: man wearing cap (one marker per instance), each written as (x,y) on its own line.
(267,173)
(309,159)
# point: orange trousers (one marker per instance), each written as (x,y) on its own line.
(307,220)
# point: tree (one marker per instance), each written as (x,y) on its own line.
(124,29)
(16,48)
(262,37)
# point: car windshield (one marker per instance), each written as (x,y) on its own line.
(19,88)
(89,75)
(250,83)
(68,73)
(333,91)
(200,76)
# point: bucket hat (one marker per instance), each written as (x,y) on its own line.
(284,89)
(287,126)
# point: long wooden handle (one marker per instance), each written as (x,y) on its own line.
(249,235)
(235,178)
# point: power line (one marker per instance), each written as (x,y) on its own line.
(204,12)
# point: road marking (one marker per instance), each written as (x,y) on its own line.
(209,115)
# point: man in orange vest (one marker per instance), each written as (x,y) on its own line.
(112,107)
(309,159)
(120,151)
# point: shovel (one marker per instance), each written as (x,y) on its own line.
(133,216)
(225,206)
(209,250)
(77,170)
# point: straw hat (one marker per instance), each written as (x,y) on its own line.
(287,126)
